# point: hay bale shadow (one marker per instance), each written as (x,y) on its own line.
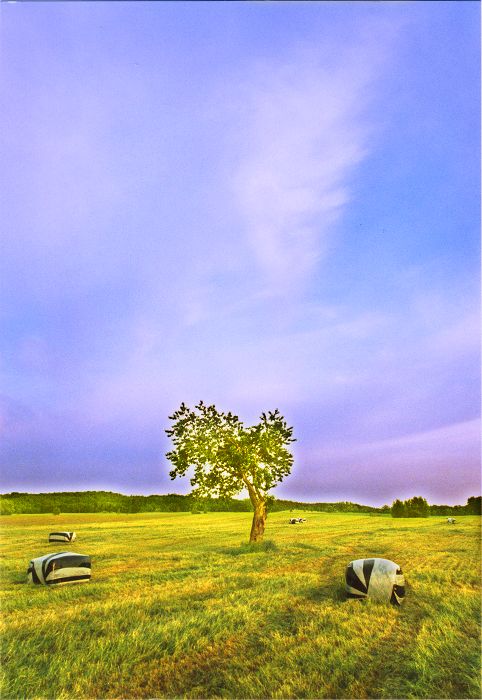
(330,591)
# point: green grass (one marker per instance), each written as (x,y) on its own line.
(180,606)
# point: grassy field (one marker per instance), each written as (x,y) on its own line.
(180,606)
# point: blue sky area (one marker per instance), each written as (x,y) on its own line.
(260,205)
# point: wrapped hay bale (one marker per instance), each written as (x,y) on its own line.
(63,567)
(62,536)
(380,579)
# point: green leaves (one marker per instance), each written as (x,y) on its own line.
(416,507)
(226,455)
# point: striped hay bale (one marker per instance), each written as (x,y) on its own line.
(63,567)
(380,579)
(62,536)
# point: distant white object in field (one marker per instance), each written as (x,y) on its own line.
(380,579)
(293,521)
(451,521)
(62,536)
(63,567)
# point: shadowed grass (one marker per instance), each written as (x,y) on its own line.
(250,548)
(177,607)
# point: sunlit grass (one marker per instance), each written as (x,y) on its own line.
(179,605)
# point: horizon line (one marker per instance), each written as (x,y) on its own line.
(185,495)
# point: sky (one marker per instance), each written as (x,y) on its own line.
(255,204)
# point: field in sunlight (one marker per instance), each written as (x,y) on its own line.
(180,606)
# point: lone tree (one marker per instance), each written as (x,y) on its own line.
(227,456)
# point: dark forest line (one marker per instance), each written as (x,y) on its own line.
(110,502)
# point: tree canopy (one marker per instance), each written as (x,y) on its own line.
(416,507)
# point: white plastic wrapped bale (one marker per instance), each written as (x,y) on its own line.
(63,567)
(62,536)
(451,521)
(380,579)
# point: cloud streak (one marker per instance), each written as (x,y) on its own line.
(303,130)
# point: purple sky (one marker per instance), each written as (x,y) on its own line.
(260,205)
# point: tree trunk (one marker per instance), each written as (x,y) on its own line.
(259,521)
(258,499)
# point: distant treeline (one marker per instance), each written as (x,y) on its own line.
(109,502)
(417,507)
(276,504)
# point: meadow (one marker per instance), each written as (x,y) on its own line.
(180,605)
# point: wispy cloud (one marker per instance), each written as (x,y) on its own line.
(303,127)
